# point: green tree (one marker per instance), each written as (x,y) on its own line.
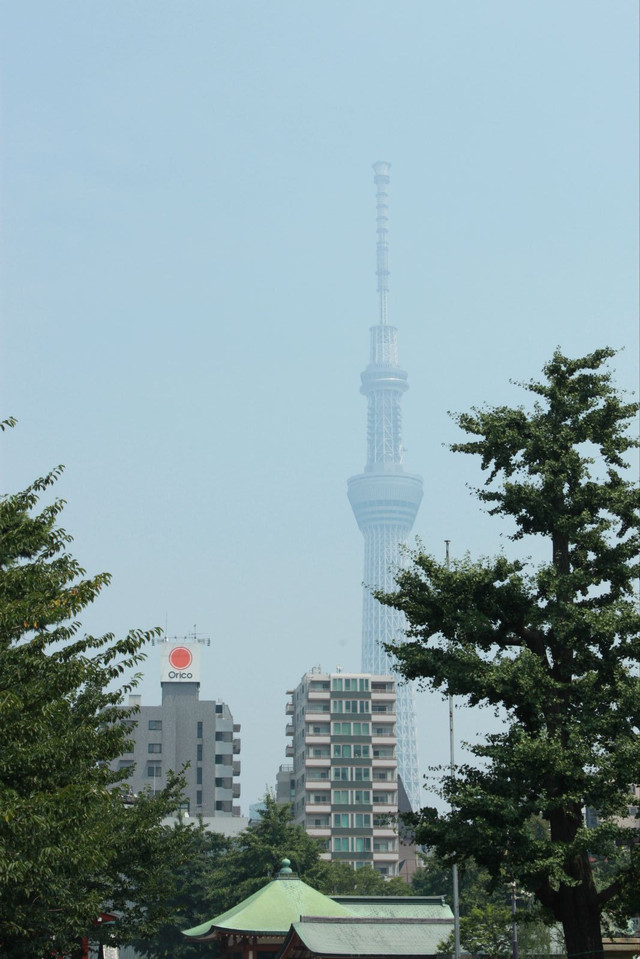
(254,856)
(61,807)
(484,930)
(341,879)
(177,890)
(434,878)
(551,646)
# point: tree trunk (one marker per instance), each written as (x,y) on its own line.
(576,907)
(580,917)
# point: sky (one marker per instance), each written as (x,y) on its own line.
(188,281)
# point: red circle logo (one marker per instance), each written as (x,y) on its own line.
(180,657)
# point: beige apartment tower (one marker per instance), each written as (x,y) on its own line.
(343,778)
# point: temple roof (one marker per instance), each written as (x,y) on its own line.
(271,910)
(397,907)
(314,936)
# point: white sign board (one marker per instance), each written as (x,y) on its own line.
(180,663)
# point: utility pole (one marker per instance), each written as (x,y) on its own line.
(514,924)
(454,869)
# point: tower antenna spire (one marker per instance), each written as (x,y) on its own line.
(381,180)
(385,501)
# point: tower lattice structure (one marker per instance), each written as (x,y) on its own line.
(385,500)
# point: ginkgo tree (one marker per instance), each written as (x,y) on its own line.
(554,646)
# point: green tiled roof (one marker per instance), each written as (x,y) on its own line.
(397,907)
(369,937)
(271,910)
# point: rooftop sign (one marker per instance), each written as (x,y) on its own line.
(180,663)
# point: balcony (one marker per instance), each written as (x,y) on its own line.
(236,746)
(235,810)
(236,727)
(290,751)
(381,689)
(235,790)
(236,767)
(288,729)
(317,715)
(289,709)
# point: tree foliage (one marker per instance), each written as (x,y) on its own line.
(253,858)
(552,646)
(178,890)
(66,840)
(341,879)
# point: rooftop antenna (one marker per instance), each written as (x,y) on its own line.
(381,180)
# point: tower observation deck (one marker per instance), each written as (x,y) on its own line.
(385,501)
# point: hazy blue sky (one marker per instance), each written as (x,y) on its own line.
(188,283)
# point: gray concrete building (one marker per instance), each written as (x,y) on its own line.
(185,729)
(343,777)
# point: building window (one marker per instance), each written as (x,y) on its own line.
(340,820)
(341,844)
(199,797)
(199,753)
(218,759)
(341,796)
(342,752)
(154,770)
(199,732)
(360,773)
(362,844)
(125,763)
(362,820)
(199,775)
(360,751)
(154,748)
(336,684)
(361,729)
(336,706)
(342,729)
(218,707)
(364,685)
(362,797)
(341,772)
(155,724)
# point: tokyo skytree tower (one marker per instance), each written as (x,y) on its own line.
(385,500)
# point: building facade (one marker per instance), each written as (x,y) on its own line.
(385,501)
(186,730)
(343,777)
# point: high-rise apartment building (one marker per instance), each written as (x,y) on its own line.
(343,779)
(385,500)
(186,730)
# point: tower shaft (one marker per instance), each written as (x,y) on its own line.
(385,500)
